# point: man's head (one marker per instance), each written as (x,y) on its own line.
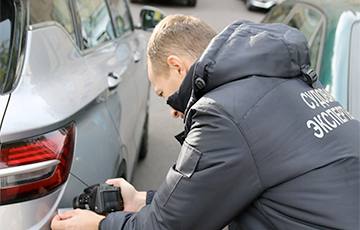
(175,44)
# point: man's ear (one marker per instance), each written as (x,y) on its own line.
(177,64)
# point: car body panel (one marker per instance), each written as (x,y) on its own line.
(44,79)
(62,82)
(118,58)
(97,143)
(30,215)
(38,94)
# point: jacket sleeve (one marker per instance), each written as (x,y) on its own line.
(214,179)
(149,196)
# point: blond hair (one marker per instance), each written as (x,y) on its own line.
(177,34)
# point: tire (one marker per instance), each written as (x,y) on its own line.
(191,3)
(144,139)
(122,171)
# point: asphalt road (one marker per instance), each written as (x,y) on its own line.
(163,148)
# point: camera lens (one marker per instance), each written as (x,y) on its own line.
(78,202)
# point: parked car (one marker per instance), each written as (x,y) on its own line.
(332,29)
(261,4)
(186,2)
(74,98)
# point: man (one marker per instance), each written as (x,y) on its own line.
(261,149)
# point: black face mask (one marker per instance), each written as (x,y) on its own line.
(180,98)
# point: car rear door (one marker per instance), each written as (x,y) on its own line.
(111,55)
(137,42)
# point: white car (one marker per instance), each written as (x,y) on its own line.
(261,4)
(74,97)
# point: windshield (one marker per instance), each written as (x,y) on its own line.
(6,20)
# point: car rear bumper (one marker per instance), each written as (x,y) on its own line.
(35,214)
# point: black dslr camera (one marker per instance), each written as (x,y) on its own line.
(100,198)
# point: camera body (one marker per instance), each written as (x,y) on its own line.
(100,198)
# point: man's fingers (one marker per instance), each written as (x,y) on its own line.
(56,223)
(110,181)
(68,214)
(116,181)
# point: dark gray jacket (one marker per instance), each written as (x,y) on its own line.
(261,147)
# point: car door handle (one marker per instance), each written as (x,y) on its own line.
(113,80)
(137,57)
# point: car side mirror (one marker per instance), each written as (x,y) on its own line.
(150,17)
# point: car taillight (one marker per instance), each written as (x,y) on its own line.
(36,166)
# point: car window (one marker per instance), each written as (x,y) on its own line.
(279,14)
(354,72)
(121,16)
(52,10)
(306,20)
(96,26)
(6,20)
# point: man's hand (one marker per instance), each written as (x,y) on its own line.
(133,199)
(76,219)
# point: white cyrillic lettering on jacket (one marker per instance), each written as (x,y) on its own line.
(318,131)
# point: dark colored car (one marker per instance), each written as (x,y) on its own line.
(332,29)
(186,2)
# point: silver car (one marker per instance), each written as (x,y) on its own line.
(74,97)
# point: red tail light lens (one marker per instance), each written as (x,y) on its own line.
(36,166)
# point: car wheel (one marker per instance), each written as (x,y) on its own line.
(144,140)
(122,170)
(249,6)
(191,3)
